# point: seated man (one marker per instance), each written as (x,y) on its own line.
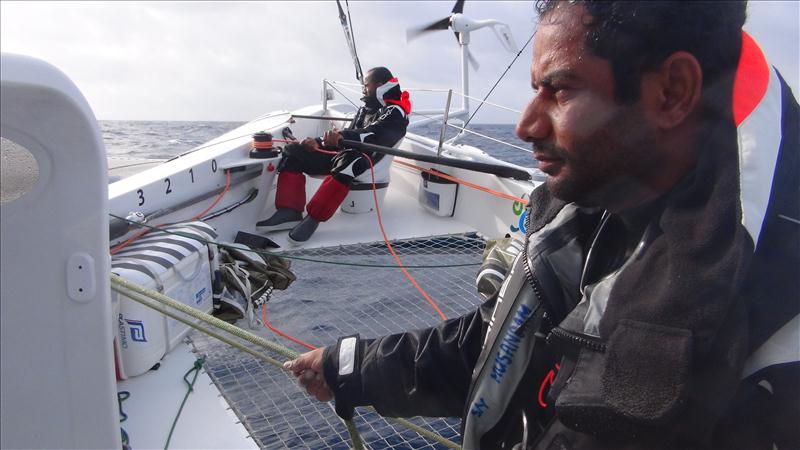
(382,121)
(654,304)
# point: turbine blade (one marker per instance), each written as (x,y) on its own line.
(473,61)
(413,33)
(459,8)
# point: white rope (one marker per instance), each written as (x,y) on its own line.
(461,129)
(481,135)
(488,103)
(479,100)
(143,295)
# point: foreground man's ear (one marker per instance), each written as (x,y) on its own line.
(672,92)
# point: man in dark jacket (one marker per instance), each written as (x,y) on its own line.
(382,121)
(655,302)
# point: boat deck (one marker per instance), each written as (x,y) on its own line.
(204,405)
(402,217)
(328,301)
(347,282)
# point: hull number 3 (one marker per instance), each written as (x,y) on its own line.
(140,198)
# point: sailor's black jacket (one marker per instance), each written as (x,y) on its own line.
(683,340)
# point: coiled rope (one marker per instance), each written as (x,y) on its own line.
(161,303)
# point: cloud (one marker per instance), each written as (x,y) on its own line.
(234,61)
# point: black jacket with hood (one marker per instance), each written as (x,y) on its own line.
(685,338)
(382,120)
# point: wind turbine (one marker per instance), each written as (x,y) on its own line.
(462,26)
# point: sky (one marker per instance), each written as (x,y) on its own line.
(234,61)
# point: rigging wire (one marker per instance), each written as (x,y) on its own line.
(464,130)
(501,77)
(350,41)
(342,94)
(437,119)
(360,74)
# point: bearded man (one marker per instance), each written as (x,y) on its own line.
(655,302)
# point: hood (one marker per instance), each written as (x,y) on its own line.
(390,93)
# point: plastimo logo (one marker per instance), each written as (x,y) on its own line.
(199,296)
(136,328)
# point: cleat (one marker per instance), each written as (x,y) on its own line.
(283,219)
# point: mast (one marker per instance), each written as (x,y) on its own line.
(464,41)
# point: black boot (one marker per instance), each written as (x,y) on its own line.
(283,219)
(303,231)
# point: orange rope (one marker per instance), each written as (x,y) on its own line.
(391,249)
(281,333)
(386,238)
(327,152)
(438,174)
(221,194)
(130,239)
(142,233)
(464,182)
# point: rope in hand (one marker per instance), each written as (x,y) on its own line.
(150,298)
(199,363)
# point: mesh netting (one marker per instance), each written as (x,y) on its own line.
(327,302)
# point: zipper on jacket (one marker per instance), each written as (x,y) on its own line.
(559,334)
(549,315)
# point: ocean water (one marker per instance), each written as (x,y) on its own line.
(165,139)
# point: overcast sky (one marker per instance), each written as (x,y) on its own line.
(233,61)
